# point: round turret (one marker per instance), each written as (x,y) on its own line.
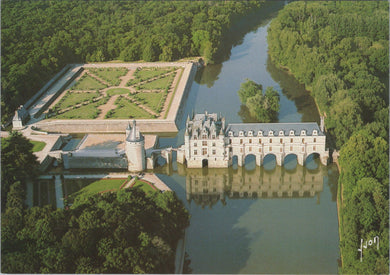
(135,149)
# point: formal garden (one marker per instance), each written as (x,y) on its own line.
(118,93)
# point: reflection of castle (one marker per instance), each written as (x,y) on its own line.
(206,187)
(208,141)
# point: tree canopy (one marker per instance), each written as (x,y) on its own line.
(339,50)
(38,38)
(264,107)
(124,232)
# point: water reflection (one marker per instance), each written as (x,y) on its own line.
(206,187)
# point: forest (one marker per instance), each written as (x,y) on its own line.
(39,38)
(128,231)
(340,51)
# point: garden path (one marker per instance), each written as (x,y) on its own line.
(126,78)
(105,108)
(99,79)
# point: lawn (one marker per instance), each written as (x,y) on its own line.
(89,111)
(111,75)
(72,98)
(154,100)
(144,186)
(127,109)
(158,84)
(99,186)
(117,91)
(88,83)
(150,73)
(38,145)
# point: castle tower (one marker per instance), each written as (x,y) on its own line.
(135,149)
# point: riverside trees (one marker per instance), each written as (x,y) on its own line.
(40,37)
(339,50)
(264,107)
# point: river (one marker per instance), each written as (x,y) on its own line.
(255,219)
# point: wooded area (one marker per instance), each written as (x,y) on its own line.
(39,38)
(340,51)
(264,107)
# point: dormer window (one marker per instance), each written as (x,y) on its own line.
(260,133)
(230,133)
(241,134)
(204,136)
(250,133)
(270,133)
(303,133)
(281,133)
(315,133)
(291,132)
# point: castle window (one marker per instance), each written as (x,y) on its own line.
(195,144)
(303,149)
(204,151)
(230,141)
(250,133)
(214,152)
(240,150)
(270,140)
(241,133)
(314,148)
(204,136)
(259,150)
(315,132)
(281,140)
(270,133)
(314,140)
(230,133)
(270,148)
(230,149)
(204,143)
(291,140)
(259,140)
(250,149)
(281,149)
(241,141)
(250,140)
(303,140)
(291,148)
(213,136)
(303,133)
(195,137)
(260,133)
(281,133)
(195,152)
(214,144)
(291,132)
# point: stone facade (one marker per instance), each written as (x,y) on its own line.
(135,149)
(20,118)
(208,141)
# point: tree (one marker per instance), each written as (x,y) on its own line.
(248,89)
(18,163)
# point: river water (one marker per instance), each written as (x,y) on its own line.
(255,219)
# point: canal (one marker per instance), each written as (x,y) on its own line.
(255,219)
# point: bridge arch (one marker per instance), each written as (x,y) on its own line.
(313,161)
(269,161)
(250,162)
(290,161)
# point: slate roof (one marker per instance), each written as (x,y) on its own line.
(275,127)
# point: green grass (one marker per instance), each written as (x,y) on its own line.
(111,75)
(88,83)
(150,73)
(99,186)
(72,98)
(126,109)
(158,84)
(89,111)
(38,145)
(117,91)
(154,100)
(144,186)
